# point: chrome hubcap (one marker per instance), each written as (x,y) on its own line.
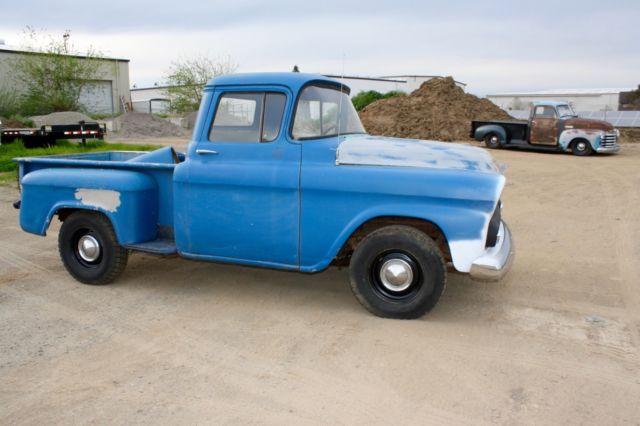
(88,248)
(494,140)
(396,275)
(581,146)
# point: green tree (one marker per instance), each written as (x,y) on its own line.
(54,74)
(187,78)
(363,99)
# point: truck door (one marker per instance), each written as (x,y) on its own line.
(242,197)
(544,125)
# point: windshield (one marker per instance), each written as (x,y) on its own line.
(566,111)
(324,111)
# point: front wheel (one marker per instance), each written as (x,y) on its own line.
(89,248)
(397,272)
(581,147)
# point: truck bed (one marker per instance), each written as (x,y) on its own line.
(158,164)
(516,130)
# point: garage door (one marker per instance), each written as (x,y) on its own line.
(97,97)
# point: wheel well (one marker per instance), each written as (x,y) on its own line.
(429,228)
(65,212)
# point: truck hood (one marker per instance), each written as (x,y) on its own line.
(588,124)
(395,152)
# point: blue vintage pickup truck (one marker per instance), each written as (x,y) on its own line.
(280,173)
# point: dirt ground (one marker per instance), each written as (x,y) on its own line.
(176,341)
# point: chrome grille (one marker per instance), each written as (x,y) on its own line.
(609,140)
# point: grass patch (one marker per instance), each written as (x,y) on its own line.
(15,149)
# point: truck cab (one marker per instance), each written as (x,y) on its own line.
(552,126)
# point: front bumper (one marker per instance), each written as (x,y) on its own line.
(496,261)
(608,149)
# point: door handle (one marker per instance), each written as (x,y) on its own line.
(206,152)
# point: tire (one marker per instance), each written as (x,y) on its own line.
(86,264)
(493,141)
(400,247)
(581,147)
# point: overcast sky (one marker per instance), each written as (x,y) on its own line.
(490,45)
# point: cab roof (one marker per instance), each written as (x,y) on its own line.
(292,80)
(549,103)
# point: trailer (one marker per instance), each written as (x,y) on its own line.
(48,135)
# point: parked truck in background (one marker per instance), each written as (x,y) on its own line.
(552,126)
(280,173)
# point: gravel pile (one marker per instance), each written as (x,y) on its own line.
(65,117)
(141,125)
(12,123)
(438,110)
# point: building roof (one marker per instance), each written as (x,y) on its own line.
(564,92)
(354,77)
(13,49)
(419,76)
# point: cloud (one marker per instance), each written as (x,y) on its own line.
(491,46)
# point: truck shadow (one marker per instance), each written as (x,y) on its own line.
(179,280)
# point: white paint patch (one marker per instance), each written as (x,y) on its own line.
(465,252)
(105,199)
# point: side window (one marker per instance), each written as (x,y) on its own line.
(273,112)
(248,117)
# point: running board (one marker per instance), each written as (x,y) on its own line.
(160,247)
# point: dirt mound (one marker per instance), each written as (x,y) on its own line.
(12,123)
(141,125)
(630,135)
(438,110)
(64,117)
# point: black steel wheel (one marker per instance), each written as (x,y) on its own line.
(89,249)
(493,141)
(581,147)
(397,272)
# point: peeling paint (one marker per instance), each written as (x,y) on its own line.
(105,199)
(380,151)
(593,136)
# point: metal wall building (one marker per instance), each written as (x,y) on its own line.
(103,96)
(580,99)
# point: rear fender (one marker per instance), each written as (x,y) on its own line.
(128,199)
(482,131)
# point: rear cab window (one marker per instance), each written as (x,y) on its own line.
(545,111)
(248,117)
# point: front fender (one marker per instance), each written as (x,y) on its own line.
(464,228)
(129,199)
(482,131)
(594,136)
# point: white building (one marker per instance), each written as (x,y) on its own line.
(153,99)
(580,99)
(105,95)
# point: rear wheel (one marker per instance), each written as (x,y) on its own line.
(581,147)
(89,248)
(397,272)
(492,141)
